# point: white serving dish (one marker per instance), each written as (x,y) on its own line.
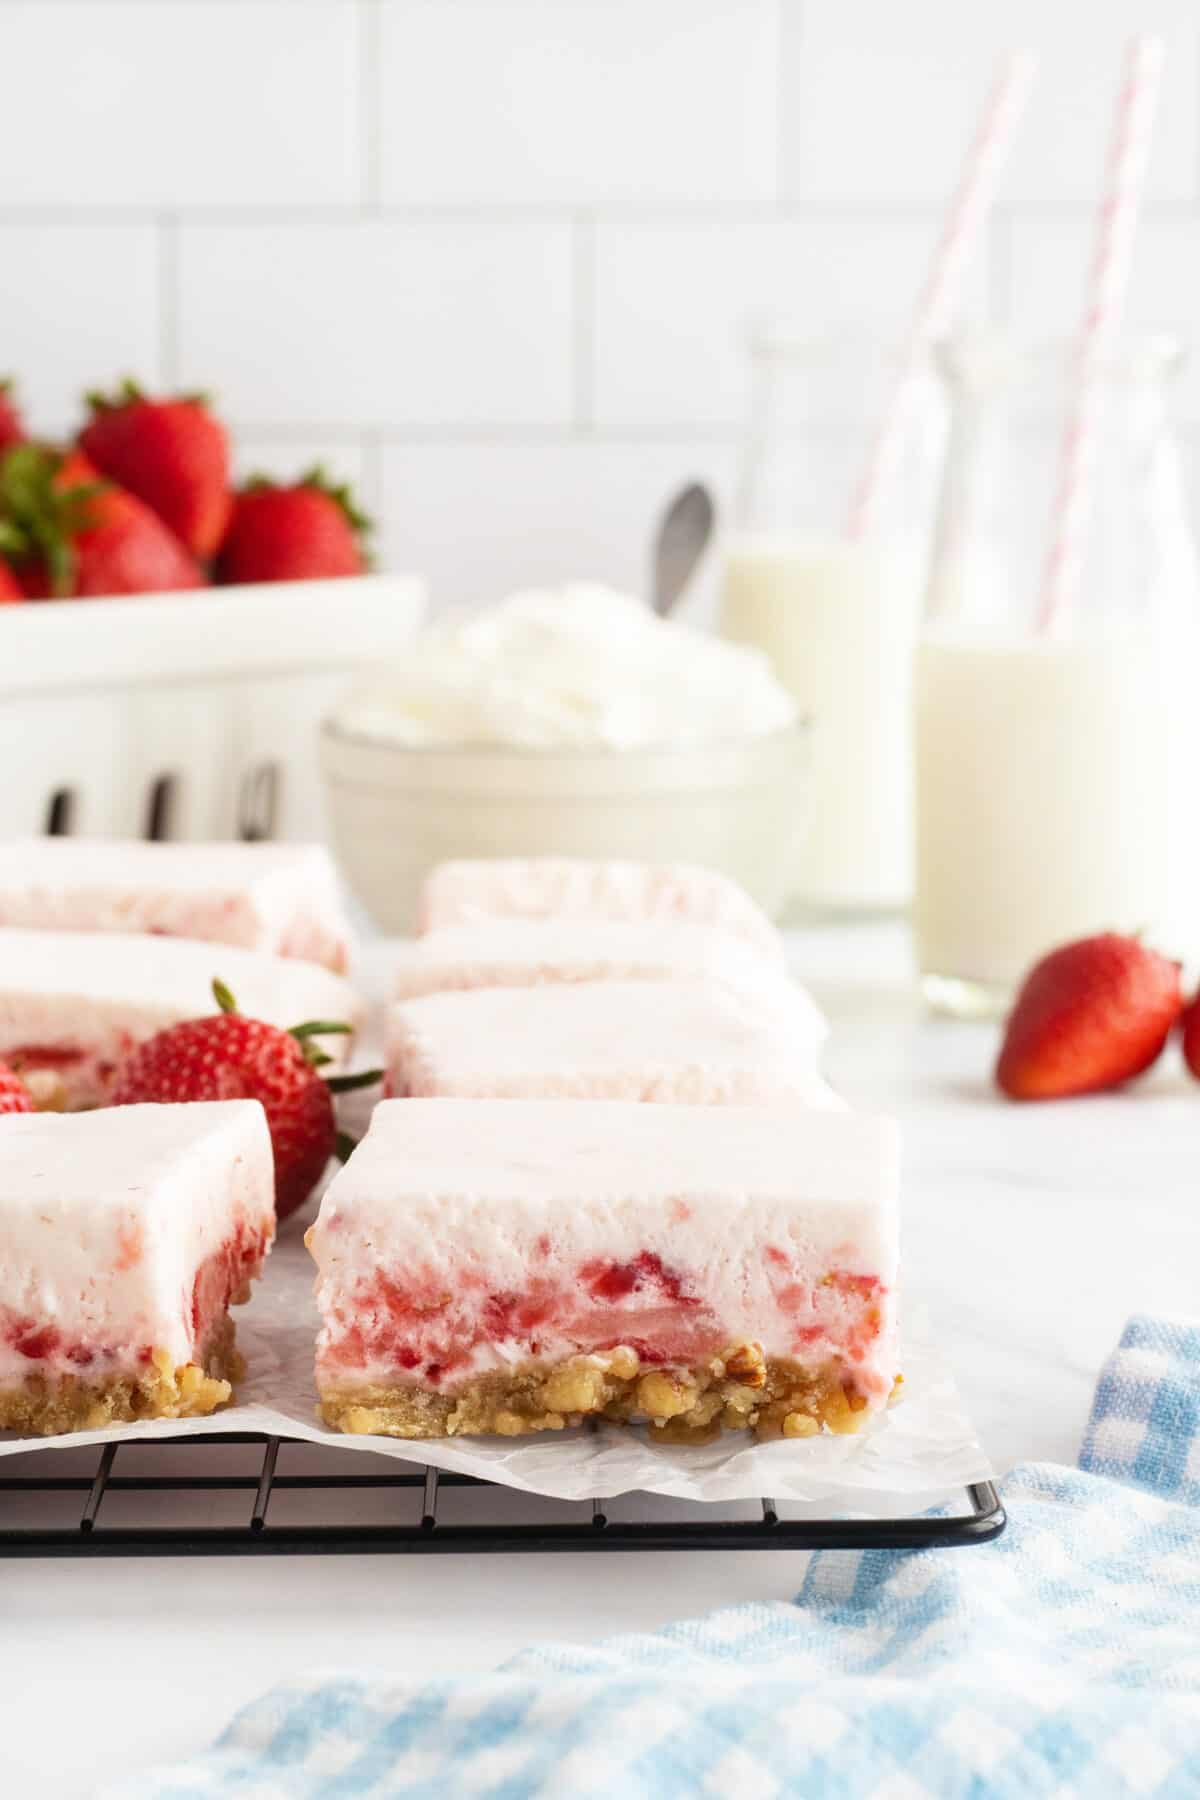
(394,812)
(185,715)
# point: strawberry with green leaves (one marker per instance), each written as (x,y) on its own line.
(172,453)
(228,1057)
(307,530)
(65,531)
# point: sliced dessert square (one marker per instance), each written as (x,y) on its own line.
(527,953)
(685,1042)
(74,1003)
(280,898)
(563,887)
(518,1266)
(125,1237)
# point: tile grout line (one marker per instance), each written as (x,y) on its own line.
(782,63)
(620,216)
(370,79)
(583,325)
(371,443)
(344,435)
(168,300)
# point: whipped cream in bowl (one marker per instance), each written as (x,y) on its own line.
(582,666)
(571,722)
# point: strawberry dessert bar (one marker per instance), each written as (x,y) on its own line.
(562,887)
(527,953)
(125,1236)
(677,1041)
(518,1266)
(74,1003)
(281,898)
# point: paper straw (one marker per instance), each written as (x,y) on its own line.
(1108,283)
(940,295)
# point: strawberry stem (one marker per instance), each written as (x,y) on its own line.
(47,517)
(128,394)
(223,997)
(313,1054)
(346,1084)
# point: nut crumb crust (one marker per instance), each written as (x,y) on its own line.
(739,1390)
(45,1408)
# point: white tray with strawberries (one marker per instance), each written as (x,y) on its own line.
(167,644)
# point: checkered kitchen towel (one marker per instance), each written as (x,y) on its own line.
(1063,1659)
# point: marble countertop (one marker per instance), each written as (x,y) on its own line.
(1030,1235)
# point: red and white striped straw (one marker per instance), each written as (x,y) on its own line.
(1108,283)
(943,286)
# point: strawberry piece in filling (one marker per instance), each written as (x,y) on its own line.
(412,1325)
(223,1278)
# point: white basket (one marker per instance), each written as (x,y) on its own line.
(184,715)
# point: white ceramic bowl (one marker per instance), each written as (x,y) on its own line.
(740,807)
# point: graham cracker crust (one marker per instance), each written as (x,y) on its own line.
(45,1408)
(740,1390)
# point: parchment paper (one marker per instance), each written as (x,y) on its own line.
(914,1456)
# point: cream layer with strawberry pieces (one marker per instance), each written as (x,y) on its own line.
(682,1042)
(517,1267)
(557,887)
(125,1237)
(73,1004)
(281,898)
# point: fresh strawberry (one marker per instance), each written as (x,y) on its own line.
(172,454)
(12,425)
(14,1095)
(68,532)
(10,587)
(227,1057)
(1089,1016)
(1190,1026)
(293,533)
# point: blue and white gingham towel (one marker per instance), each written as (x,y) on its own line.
(1063,1659)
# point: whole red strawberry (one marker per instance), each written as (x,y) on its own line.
(228,1057)
(66,531)
(14,1095)
(12,425)
(1190,1031)
(1089,1016)
(295,533)
(10,587)
(172,454)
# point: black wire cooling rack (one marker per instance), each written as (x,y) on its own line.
(239,1494)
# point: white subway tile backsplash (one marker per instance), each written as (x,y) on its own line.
(495,261)
(481,520)
(879,99)
(1049,269)
(180,103)
(646,102)
(426,322)
(674,303)
(79,309)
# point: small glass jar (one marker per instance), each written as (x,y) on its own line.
(1056,768)
(838,616)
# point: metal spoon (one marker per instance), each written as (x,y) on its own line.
(683,534)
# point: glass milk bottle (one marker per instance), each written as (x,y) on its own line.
(838,618)
(1056,759)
